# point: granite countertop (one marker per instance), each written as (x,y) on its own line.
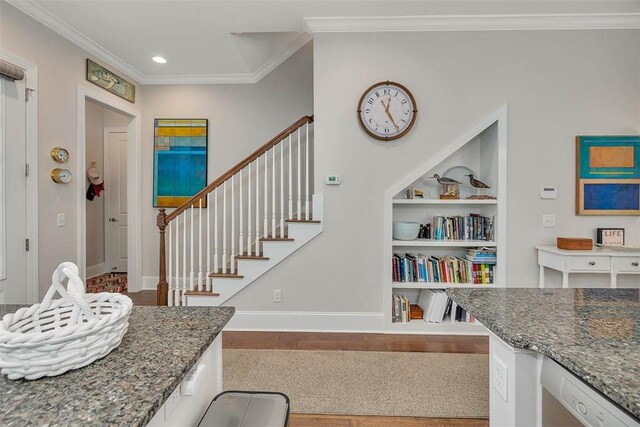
(594,333)
(126,387)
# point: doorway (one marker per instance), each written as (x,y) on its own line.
(109,234)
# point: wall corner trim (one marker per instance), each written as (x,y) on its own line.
(576,21)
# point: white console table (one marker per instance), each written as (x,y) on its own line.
(597,260)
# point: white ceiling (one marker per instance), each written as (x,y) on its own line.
(235,41)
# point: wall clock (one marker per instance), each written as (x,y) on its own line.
(387,110)
(59,154)
(61,176)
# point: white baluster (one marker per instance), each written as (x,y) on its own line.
(176,290)
(257,242)
(224,227)
(290,184)
(208,279)
(232,261)
(184,258)
(170,279)
(282,188)
(266,198)
(216,235)
(299,205)
(306,171)
(200,277)
(241,219)
(192,275)
(249,217)
(273,192)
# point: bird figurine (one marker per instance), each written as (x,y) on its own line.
(443,180)
(476,183)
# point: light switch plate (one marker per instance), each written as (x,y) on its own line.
(548,220)
(500,377)
(61,220)
(277,295)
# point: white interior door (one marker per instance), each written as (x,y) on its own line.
(13,193)
(115,183)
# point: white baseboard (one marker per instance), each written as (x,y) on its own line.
(149,283)
(94,270)
(306,321)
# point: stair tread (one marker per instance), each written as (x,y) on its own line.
(308,221)
(226,275)
(204,293)
(276,239)
(254,257)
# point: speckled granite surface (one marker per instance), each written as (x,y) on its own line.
(594,333)
(126,387)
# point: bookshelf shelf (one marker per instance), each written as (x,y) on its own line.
(483,152)
(452,243)
(445,202)
(432,285)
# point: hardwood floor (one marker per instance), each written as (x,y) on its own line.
(352,342)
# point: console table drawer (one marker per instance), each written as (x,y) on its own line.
(585,263)
(627,263)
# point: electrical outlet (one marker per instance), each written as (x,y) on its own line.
(62,220)
(500,377)
(277,295)
(548,220)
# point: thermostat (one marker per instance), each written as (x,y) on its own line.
(332,180)
(548,192)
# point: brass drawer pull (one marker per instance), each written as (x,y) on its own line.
(592,263)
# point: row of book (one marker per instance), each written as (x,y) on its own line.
(448,269)
(437,307)
(472,227)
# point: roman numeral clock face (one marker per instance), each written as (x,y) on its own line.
(387,110)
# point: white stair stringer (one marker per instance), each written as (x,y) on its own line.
(251,269)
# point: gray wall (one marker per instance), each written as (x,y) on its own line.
(61,67)
(557,84)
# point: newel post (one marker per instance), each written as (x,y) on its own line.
(163,286)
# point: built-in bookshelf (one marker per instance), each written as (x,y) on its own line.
(416,270)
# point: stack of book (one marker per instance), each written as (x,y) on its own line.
(400,309)
(472,227)
(448,269)
(482,255)
(439,308)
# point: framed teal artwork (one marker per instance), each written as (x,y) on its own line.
(608,175)
(179,160)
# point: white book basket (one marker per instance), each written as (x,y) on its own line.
(56,336)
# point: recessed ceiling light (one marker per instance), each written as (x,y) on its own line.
(159,60)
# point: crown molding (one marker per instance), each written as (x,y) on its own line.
(43,16)
(247,78)
(46,18)
(599,21)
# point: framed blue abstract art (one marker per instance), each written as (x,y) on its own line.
(179,160)
(608,175)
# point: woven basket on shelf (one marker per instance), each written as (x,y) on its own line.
(56,336)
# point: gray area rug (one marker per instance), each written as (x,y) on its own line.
(435,385)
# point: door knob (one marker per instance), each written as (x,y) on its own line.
(113,220)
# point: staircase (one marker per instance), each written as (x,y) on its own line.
(242,224)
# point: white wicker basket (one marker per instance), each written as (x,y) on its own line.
(56,336)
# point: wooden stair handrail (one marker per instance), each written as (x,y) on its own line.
(163,218)
(243,164)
